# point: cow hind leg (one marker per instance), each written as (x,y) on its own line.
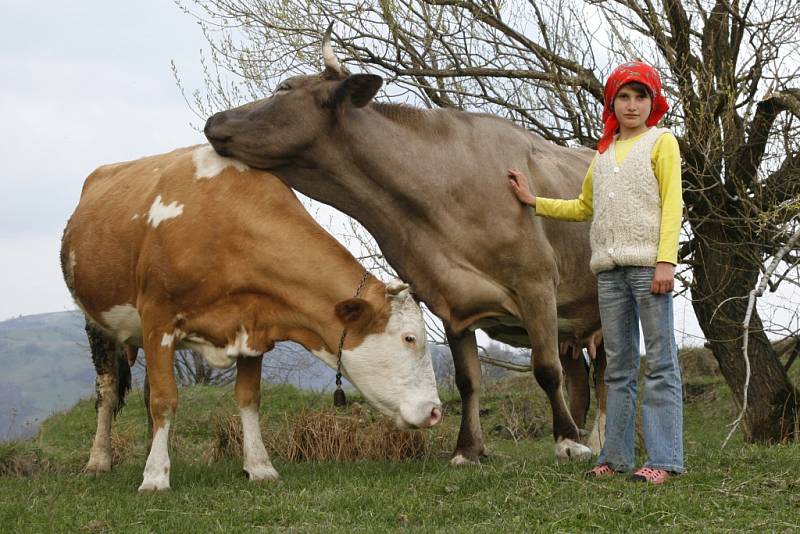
(257,464)
(113,381)
(469,446)
(541,323)
(159,352)
(576,374)
(598,435)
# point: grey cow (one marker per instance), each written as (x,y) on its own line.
(431,187)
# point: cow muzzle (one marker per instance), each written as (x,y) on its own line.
(423,416)
(216,134)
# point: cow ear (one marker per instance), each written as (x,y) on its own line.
(354,313)
(358,89)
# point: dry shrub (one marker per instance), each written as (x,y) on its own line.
(121,446)
(227,437)
(522,419)
(330,435)
(18,461)
(320,435)
(699,393)
(698,362)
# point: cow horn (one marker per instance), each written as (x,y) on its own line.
(395,287)
(328,56)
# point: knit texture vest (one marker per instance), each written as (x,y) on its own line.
(627,207)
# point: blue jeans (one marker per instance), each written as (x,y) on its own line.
(625,299)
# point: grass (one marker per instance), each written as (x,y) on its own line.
(519,487)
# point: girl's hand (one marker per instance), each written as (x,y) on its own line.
(664,278)
(519,184)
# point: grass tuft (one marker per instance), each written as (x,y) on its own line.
(21,459)
(227,437)
(324,435)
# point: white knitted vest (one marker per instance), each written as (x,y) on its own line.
(627,207)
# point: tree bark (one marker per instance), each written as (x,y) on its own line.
(722,282)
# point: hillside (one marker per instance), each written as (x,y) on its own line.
(47,368)
(519,487)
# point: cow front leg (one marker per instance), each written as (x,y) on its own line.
(598,435)
(159,349)
(248,396)
(464,349)
(542,325)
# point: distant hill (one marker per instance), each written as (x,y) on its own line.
(47,368)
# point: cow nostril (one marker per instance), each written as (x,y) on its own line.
(212,130)
(436,416)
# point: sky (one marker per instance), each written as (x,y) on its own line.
(83,84)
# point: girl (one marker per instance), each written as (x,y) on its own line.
(632,193)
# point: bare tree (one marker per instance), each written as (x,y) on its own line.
(191,368)
(730,69)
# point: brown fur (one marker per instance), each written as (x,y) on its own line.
(431,187)
(243,253)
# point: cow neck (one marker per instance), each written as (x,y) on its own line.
(338,395)
(405,212)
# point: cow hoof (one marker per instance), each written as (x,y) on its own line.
(262,474)
(568,450)
(153,485)
(459,460)
(94,469)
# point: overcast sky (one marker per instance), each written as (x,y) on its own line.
(87,83)
(83,83)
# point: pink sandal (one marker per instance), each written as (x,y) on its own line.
(600,471)
(650,475)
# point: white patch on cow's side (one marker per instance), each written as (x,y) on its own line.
(156,470)
(566,449)
(160,212)
(256,459)
(135,216)
(208,163)
(124,321)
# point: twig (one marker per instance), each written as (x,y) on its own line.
(754,294)
(520,368)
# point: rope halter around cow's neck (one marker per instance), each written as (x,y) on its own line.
(338,395)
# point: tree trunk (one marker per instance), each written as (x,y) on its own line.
(722,283)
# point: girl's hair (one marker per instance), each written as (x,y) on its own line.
(640,88)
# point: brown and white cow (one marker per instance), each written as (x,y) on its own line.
(192,250)
(431,187)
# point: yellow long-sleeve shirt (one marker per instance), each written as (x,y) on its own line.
(666,161)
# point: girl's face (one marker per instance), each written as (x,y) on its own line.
(632,108)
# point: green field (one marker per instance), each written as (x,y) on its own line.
(519,487)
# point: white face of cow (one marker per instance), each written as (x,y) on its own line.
(393,369)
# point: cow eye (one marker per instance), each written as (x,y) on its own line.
(410,338)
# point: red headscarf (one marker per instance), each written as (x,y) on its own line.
(633,71)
